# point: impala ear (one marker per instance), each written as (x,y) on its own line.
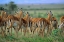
(28,13)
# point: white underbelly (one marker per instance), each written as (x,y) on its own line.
(15,24)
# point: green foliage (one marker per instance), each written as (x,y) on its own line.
(54,32)
(54,37)
(12,6)
(1,8)
(57,36)
(7,38)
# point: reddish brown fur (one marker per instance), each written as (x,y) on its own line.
(2,23)
(62,19)
(13,18)
(37,20)
(25,22)
(3,20)
(46,23)
(54,23)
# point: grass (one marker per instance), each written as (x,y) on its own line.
(41,6)
(43,13)
(55,36)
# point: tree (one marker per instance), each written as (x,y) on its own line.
(12,7)
(1,8)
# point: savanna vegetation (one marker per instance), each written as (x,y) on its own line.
(34,10)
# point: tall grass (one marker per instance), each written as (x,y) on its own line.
(55,36)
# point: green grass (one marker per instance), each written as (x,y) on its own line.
(54,37)
(41,6)
(43,13)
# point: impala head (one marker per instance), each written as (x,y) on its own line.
(50,13)
(3,14)
(20,13)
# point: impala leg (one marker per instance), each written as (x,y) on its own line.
(43,28)
(24,31)
(43,33)
(8,31)
(16,32)
(34,27)
(2,31)
(11,31)
(5,31)
(21,30)
(48,30)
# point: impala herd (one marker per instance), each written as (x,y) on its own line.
(28,24)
